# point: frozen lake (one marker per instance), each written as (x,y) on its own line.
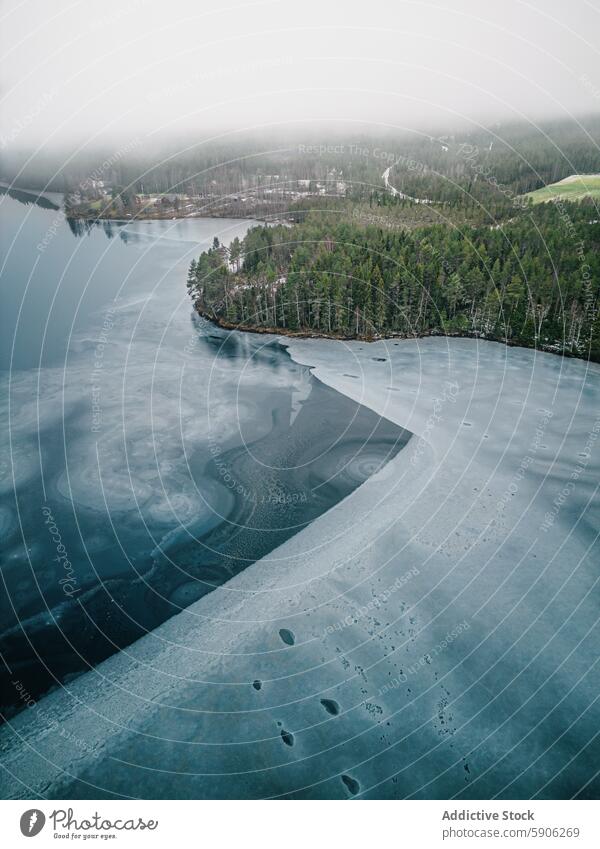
(148,456)
(432,635)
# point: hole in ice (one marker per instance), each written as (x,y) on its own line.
(351,783)
(257,684)
(287,636)
(287,737)
(331,706)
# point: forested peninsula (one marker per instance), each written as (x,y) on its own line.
(532,280)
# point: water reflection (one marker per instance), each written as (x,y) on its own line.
(26,197)
(152,456)
(83,226)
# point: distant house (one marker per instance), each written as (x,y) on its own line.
(93,188)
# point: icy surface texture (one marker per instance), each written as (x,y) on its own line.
(433,635)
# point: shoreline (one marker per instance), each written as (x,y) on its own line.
(315,334)
(120,220)
(297,334)
(145,214)
(241,215)
(399,500)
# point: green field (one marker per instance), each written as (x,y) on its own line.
(573,188)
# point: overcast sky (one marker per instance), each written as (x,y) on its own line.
(70,70)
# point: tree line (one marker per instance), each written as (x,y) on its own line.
(533,281)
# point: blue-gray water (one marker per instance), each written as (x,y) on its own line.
(147,456)
(434,636)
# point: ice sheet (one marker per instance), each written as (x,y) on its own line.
(433,635)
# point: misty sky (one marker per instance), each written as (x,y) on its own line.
(74,70)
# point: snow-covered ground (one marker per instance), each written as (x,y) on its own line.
(433,635)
